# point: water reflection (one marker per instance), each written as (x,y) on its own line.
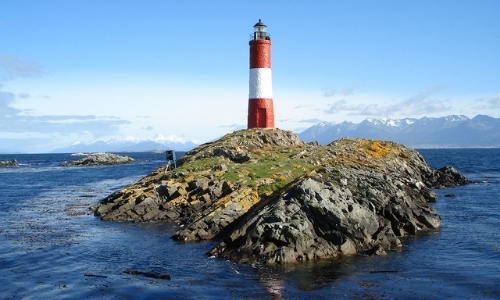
(304,276)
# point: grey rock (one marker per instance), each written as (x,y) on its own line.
(9,163)
(100,159)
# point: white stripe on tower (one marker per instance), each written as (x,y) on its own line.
(261,85)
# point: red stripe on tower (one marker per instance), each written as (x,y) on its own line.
(260,103)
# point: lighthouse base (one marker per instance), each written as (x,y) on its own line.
(260,113)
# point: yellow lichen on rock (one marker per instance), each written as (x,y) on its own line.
(188,178)
(377,148)
(249,200)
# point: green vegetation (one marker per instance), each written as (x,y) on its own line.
(254,159)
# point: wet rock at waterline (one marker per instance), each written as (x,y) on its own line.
(9,163)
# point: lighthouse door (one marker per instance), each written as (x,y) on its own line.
(261,118)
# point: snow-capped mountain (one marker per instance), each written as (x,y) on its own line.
(130,144)
(449,131)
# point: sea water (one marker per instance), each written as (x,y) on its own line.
(51,246)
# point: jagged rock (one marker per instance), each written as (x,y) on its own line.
(446,177)
(271,198)
(318,218)
(237,148)
(377,250)
(9,163)
(100,159)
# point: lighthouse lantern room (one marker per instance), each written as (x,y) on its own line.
(260,103)
(260,31)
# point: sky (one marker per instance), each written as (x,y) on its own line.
(84,70)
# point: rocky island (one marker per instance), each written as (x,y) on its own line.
(100,159)
(9,163)
(266,196)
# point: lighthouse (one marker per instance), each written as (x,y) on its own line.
(260,102)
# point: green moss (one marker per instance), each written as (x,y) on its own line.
(199,165)
(283,165)
(273,187)
(269,163)
(231,176)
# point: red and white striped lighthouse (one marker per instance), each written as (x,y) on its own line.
(260,103)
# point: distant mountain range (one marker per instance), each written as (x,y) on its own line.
(130,144)
(444,132)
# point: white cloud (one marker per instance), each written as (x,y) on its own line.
(65,125)
(15,120)
(15,66)
(491,103)
(313,120)
(329,92)
(6,98)
(341,105)
(420,104)
(229,126)
(302,106)
(436,88)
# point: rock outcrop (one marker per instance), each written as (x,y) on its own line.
(9,163)
(268,197)
(100,159)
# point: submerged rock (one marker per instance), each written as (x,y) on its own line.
(9,163)
(100,159)
(269,197)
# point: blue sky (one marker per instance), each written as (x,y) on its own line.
(84,70)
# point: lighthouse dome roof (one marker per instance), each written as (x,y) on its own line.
(259,24)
